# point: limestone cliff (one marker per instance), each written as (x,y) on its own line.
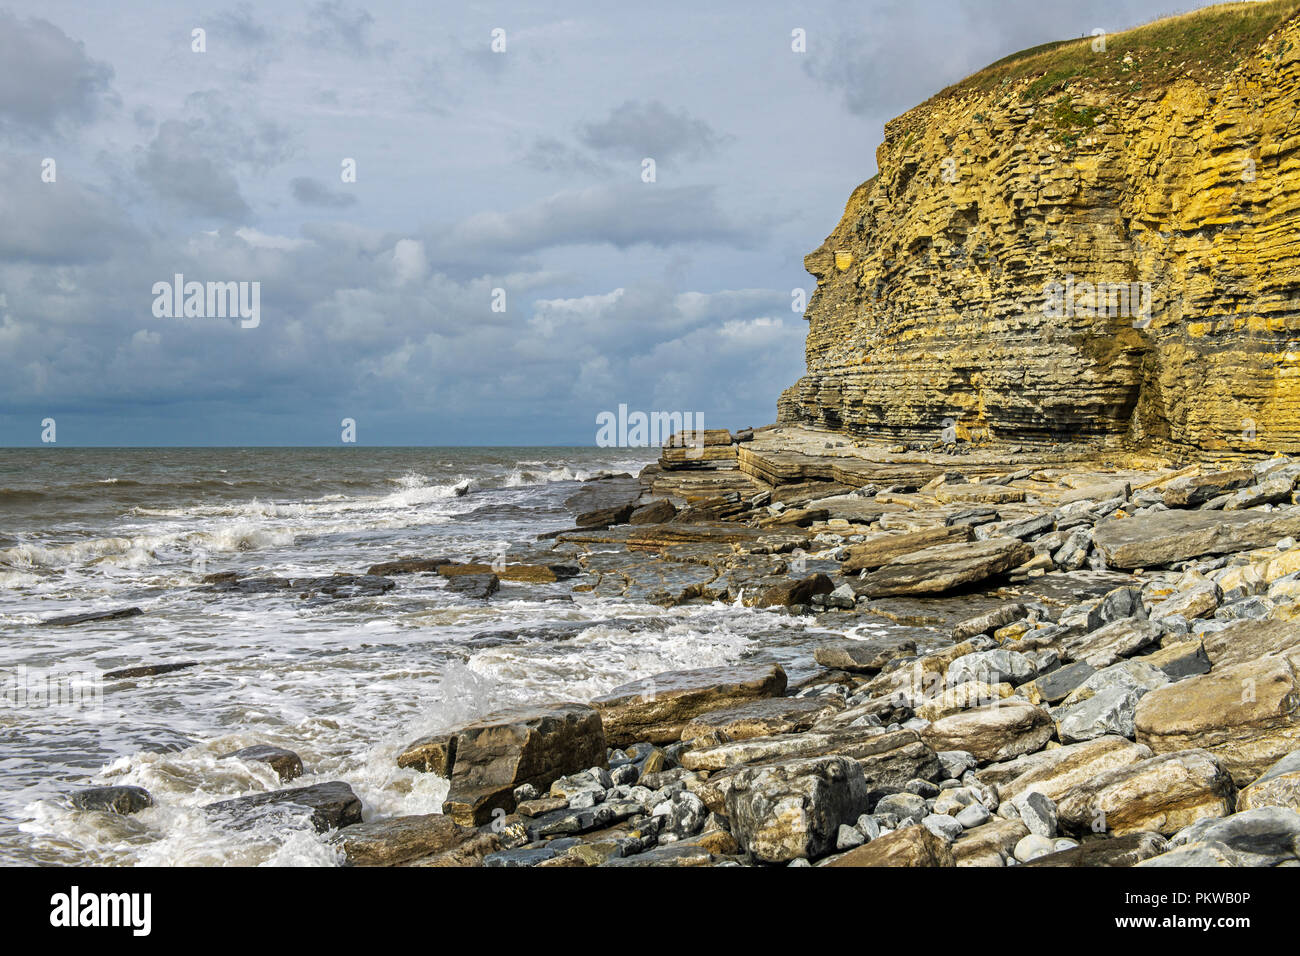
(1079,242)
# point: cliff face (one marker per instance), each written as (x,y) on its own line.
(1094,256)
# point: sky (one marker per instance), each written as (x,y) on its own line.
(450,244)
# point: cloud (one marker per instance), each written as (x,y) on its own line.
(340,27)
(46,76)
(54,223)
(622,216)
(636,130)
(550,155)
(240,25)
(180,170)
(312,192)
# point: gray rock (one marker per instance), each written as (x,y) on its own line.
(1037,812)
(943,826)
(1055,685)
(121,800)
(847,837)
(956,762)
(1268,836)
(974,815)
(1109,712)
(795,807)
(905,806)
(684,816)
(992,667)
(1032,847)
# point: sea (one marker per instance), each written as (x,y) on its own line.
(345,683)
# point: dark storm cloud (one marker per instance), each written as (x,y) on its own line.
(46,76)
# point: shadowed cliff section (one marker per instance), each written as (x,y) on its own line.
(1079,242)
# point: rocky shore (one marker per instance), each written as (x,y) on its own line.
(1092,661)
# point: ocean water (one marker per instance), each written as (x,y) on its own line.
(344,683)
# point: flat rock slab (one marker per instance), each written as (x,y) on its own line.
(475,586)
(331,805)
(92,617)
(1247,641)
(761,718)
(1166,537)
(408,566)
(984,494)
(148,670)
(880,550)
(333,587)
(510,748)
(658,708)
(945,567)
(401,840)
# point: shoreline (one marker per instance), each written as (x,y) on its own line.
(1078,623)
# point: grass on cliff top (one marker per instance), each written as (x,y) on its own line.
(1210,41)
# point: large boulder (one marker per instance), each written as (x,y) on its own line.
(1162,794)
(511,748)
(658,708)
(794,809)
(945,567)
(1247,715)
(997,731)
